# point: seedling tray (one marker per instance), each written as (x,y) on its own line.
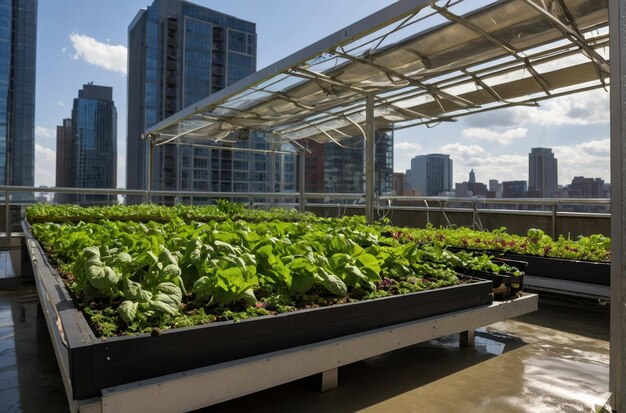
(93,363)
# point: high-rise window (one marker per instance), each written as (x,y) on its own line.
(179,53)
(18,34)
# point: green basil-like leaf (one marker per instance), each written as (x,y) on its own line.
(170,289)
(248,297)
(333,283)
(164,303)
(203,285)
(171,271)
(128,311)
(132,291)
(302,282)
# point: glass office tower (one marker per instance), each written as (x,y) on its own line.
(341,169)
(87,145)
(18,41)
(179,53)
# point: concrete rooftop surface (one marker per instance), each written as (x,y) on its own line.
(553,360)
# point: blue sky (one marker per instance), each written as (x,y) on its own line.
(80,41)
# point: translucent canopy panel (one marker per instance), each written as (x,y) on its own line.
(423,61)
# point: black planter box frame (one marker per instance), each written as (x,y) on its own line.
(564,269)
(590,272)
(94,363)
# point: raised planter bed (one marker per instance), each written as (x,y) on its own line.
(92,363)
(572,270)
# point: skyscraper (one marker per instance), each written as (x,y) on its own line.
(18,46)
(178,54)
(87,144)
(542,173)
(63,160)
(341,169)
(430,175)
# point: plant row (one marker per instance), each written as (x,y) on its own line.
(536,242)
(220,211)
(133,277)
(593,248)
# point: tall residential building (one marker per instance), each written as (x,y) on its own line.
(341,169)
(178,54)
(18,47)
(398,183)
(63,160)
(430,175)
(582,187)
(90,154)
(542,173)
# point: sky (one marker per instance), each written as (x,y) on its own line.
(81,41)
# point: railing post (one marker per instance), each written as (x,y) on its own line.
(554,210)
(301,177)
(7,217)
(475,215)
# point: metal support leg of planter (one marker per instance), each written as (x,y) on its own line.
(617,369)
(370,148)
(329,379)
(467,338)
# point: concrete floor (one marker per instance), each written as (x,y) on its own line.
(554,360)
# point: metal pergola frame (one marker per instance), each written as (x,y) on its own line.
(347,99)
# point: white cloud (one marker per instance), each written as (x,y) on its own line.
(42,133)
(505,136)
(589,159)
(61,104)
(45,164)
(586,108)
(485,165)
(578,109)
(403,152)
(107,56)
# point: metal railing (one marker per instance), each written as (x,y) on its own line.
(552,209)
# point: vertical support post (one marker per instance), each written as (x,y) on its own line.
(272,172)
(475,215)
(370,148)
(179,172)
(617,370)
(7,217)
(554,210)
(329,379)
(150,170)
(301,177)
(467,338)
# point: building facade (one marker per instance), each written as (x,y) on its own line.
(330,168)
(582,187)
(430,175)
(514,189)
(63,160)
(542,173)
(179,53)
(18,50)
(87,145)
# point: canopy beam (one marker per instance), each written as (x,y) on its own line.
(510,49)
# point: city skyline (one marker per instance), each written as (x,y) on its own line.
(76,49)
